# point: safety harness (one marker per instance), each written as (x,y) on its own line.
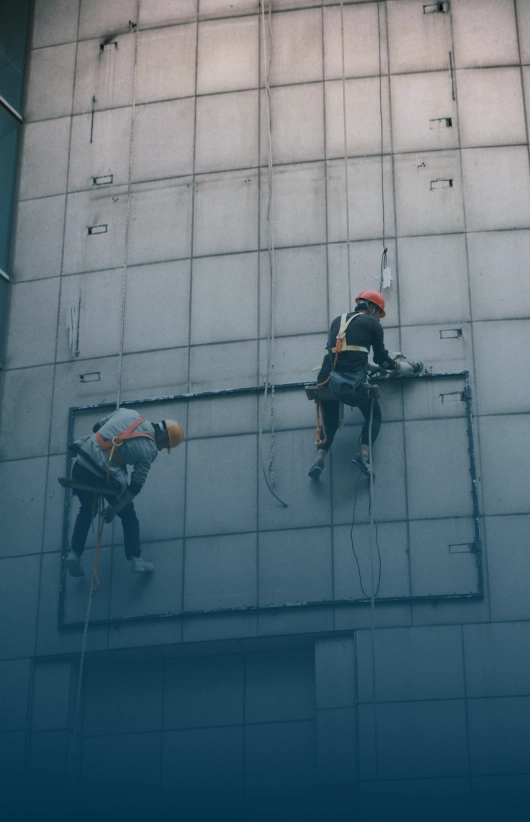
(340,345)
(110,446)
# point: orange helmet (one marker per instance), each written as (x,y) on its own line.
(175,433)
(373,296)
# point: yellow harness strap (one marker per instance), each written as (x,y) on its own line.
(341,336)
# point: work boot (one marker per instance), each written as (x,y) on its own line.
(362,464)
(140,566)
(73,565)
(316,469)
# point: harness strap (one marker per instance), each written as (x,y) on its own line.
(344,323)
(351,348)
(113,444)
(340,344)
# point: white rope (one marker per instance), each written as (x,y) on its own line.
(384,254)
(97,505)
(269,474)
(128,213)
(372,598)
(82,661)
(120,360)
(345,134)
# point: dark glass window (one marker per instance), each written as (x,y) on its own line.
(3,304)
(14,16)
(9,133)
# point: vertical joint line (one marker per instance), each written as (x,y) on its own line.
(451,68)
(94,101)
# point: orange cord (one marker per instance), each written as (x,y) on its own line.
(321,437)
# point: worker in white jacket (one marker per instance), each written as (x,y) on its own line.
(118,440)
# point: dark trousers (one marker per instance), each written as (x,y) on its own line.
(330,412)
(129,520)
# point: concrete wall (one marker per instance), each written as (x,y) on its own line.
(271,713)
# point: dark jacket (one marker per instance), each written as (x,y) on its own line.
(366,331)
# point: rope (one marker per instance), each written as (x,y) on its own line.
(128,213)
(385,250)
(345,130)
(372,598)
(376,539)
(269,474)
(94,587)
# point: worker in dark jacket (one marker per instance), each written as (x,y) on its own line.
(120,439)
(344,371)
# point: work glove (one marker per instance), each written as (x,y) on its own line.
(404,369)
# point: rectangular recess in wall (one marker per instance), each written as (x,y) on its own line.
(462,548)
(111,46)
(450,333)
(436,8)
(97,229)
(91,376)
(441,183)
(433,540)
(452,396)
(441,122)
(104,180)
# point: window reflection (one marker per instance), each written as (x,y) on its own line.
(9,132)
(14,15)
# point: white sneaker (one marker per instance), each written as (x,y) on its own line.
(140,566)
(73,565)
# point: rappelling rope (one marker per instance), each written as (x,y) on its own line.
(356,558)
(128,212)
(373,589)
(345,134)
(94,586)
(269,472)
(385,250)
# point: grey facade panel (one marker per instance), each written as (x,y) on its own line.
(270,713)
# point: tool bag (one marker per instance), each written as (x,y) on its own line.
(349,387)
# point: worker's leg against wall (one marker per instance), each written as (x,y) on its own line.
(131,531)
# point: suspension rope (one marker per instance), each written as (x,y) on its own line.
(385,250)
(269,473)
(374,592)
(94,586)
(128,212)
(345,135)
